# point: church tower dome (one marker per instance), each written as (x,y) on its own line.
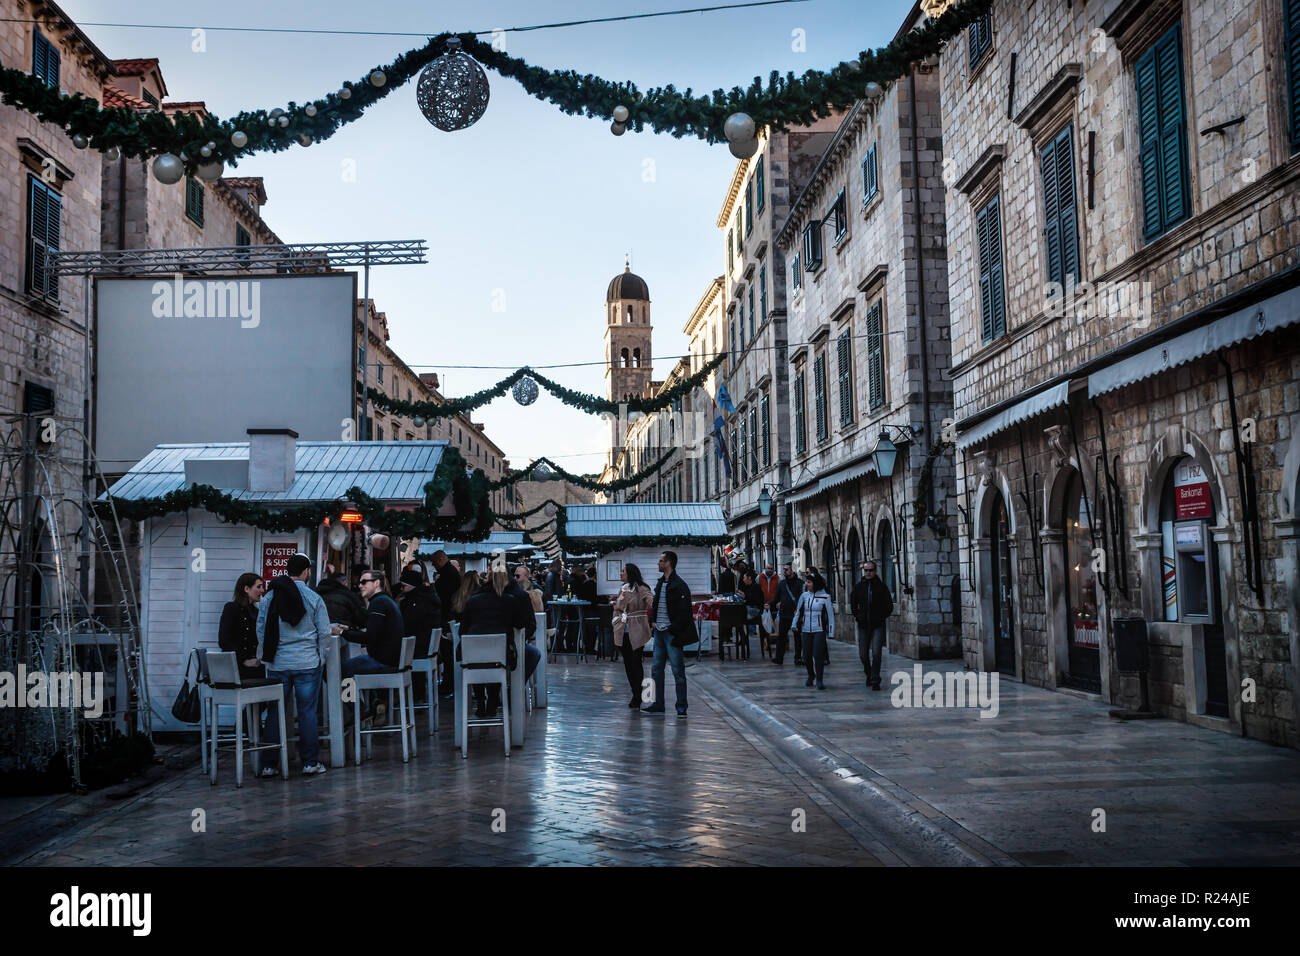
(627,342)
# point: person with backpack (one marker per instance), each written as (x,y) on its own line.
(871,603)
(814,619)
(787,599)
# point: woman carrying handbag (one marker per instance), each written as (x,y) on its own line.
(815,619)
(632,626)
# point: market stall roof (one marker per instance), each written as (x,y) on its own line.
(702,520)
(394,471)
(511,542)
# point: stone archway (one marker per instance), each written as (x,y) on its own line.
(996,581)
(1286,527)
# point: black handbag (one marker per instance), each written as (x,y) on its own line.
(186,706)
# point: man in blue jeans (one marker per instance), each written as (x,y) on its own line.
(291,621)
(670,615)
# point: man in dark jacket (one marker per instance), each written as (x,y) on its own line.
(726,579)
(871,603)
(787,598)
(446,584)
(674,627)
(491,612)
(421,609)
(383,632)
(342,604)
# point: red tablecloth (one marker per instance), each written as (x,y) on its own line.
(706,610)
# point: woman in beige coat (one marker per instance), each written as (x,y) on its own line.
(632,626)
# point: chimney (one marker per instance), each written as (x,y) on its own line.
(272,454)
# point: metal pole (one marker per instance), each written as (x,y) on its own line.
(365,346)
(88,491)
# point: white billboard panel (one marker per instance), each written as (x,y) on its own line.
(204,360)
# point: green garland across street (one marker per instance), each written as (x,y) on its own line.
(575,399)
(600,546)
(783,102)
(469,493)
(582,481)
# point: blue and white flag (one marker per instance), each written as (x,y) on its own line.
(719,433)
(723,398)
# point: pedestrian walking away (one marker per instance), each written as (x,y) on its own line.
(632,626)
(787,594)
(674,628)
(871,604)
(814,618)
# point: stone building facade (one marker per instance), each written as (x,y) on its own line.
(1122,250)
(869,359)
(756,205)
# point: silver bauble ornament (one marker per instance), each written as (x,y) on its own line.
(541,472)
(168,169)
(873,90)
(239,139)
(80,141)
(525,390)
(549,511)
(453,90)
(417,421)
(618,129)
(345,93)
(620,114)
(185,157)
(378,78)
(284,122)
(305,139)
(211,172)
(743,149)
(310,109)
(205,152)
(739,128)
(112,154)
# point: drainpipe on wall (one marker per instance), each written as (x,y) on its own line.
(920,286)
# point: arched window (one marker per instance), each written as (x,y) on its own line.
(636,358)
(828,566)
(629,315)
(855,558)
(888,571)
(626,361)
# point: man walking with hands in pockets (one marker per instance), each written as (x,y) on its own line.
(871,603)
(674,628)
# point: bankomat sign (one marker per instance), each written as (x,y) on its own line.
(184,360)
(1191,492)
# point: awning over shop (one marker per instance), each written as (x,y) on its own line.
(1273,313)
(1021,411)
(846,472)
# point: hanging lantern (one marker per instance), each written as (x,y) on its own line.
(525,391)
(453,90)
(379,542)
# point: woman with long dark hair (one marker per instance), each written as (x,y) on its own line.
(632,626)
(238,628)
(814,617)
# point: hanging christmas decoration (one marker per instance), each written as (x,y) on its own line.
(417,421)
(525,391)
(239,139)
(743,149)
(211,172)
(113,154)
(739,128)
(168,169)
(378,78)
(80,142)
(874,91)
(618,129)
(310,109)
(379,542)
(541,472)
(453,89)
(620,114)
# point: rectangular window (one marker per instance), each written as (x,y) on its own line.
(731,253)
(800,418)
(875,358)
(242,238)
(717,470)
(765,428)
(1162,133)
(194,200)
(1061,233)
(379,372)
(822,419)
(740,234)
(979,37)
(988,230)
(762,293)
(759,183)
(751,311)
(733,343)
(753,441)
(149,98)
(379,432)
(840,215)
(45,60)
(44,225)
(1292,29)
(749,207)
(740,315)
(812,246)
(738,457)
(844,367)
(796,274)
(869,175)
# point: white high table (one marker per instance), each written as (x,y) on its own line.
(518,723)
(543,688)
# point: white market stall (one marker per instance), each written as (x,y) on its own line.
(475,555)
(691,530)
(190,561)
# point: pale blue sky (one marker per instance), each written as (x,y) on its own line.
(529,201)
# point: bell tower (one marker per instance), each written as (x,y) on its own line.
(627,343)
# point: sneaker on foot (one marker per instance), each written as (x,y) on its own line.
(681,714)
(312,768)
(657,711)
(808,682)
(268,772)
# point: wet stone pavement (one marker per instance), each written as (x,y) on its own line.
(594,784)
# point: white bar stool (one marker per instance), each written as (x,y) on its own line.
(390,678)
(483,662)
(427,667)
(226,689)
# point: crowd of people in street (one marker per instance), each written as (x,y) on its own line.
(275,627)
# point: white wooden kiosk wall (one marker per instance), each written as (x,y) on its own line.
(692,567)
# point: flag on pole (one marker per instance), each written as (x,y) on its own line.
(720,437)
(724,399)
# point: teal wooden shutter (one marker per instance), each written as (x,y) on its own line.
(988,227)
(979,37)
(843,355)
(1059,222)
(869,175)
(751,311)
(800,422)
(765,425)
(760,184)
(875,358)
(1292,30)
(762,293)
(753,441)
(45,61)
(1163,136)
(44,222)
(819,395)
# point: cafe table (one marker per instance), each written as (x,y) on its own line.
(518,723)
(579,652)
(540,674)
